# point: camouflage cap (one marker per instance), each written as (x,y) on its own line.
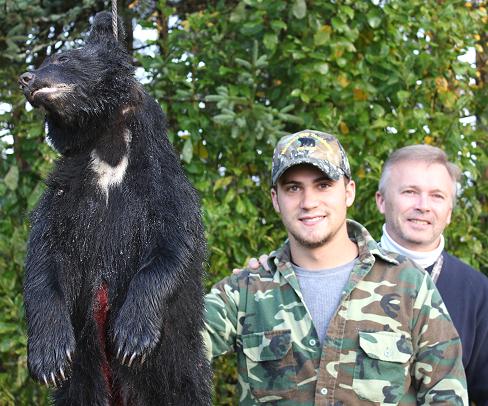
(311,147)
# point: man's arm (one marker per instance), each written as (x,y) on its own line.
(477,368)
(221,316)
(437,369)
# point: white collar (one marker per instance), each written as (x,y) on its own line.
(424,259)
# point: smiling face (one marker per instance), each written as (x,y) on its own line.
(417,203)
(312,206)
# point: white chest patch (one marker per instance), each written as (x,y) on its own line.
(108,176)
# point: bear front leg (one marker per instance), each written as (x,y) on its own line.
(51,341)
(138,325)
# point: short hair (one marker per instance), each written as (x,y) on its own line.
(422,153)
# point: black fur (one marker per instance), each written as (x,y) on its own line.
(142,238)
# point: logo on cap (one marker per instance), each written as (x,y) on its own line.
(313,147)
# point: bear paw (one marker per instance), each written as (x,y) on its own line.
(134,338)
(50,357)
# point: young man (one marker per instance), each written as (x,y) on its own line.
(417,192)
(335,320)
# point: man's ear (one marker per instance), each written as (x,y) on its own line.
(380,202)
(350,193)
(274,199)
(449,217)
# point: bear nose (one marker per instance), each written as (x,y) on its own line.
(25,78)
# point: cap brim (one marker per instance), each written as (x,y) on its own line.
(309,161)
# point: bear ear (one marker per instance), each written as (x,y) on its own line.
(102,30)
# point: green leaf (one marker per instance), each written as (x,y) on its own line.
(252,28)
(243,63)
(11,179)
(348,11)
(224,118)
(262,61)
(214,98)
(288,108)
(403,95)
(299,9)
(322,68)
(270,41)
(378,111)
(35,195)
(239,13)
(338,24)
(278,25)
(374,17)
(321,37)
(222,182)
(7,327)
(291,118)
(229,197)
(305,98)
(379,123)
(240,207)
(187,152)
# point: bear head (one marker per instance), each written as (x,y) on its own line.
(81,89)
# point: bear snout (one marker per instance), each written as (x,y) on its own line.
(41,90)
(25,79)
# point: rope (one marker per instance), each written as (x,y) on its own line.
(114,19)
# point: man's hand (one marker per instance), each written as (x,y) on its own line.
(254,264)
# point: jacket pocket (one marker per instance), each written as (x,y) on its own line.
(270,365)
(381,373)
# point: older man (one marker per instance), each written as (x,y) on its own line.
(335,320)
(417,192)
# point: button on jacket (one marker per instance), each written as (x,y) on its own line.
(391,340)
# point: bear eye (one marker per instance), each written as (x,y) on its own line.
(63,58)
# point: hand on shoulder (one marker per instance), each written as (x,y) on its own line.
(254,264)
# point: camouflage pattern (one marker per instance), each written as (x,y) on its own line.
(313,147)
(391,341)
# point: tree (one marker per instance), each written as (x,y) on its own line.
(232,77)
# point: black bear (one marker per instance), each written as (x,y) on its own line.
(113,283)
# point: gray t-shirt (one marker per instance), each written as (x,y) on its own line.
(322,291)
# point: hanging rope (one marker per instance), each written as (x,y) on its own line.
(114,19)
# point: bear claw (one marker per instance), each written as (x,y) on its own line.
(131,359)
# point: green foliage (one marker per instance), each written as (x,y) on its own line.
(234,76)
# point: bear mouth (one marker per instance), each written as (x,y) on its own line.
(45,94)
(50,90)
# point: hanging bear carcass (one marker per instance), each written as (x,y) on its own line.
(113,285)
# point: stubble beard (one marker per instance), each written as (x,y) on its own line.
(312,244)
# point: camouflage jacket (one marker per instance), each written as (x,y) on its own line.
(391,340)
